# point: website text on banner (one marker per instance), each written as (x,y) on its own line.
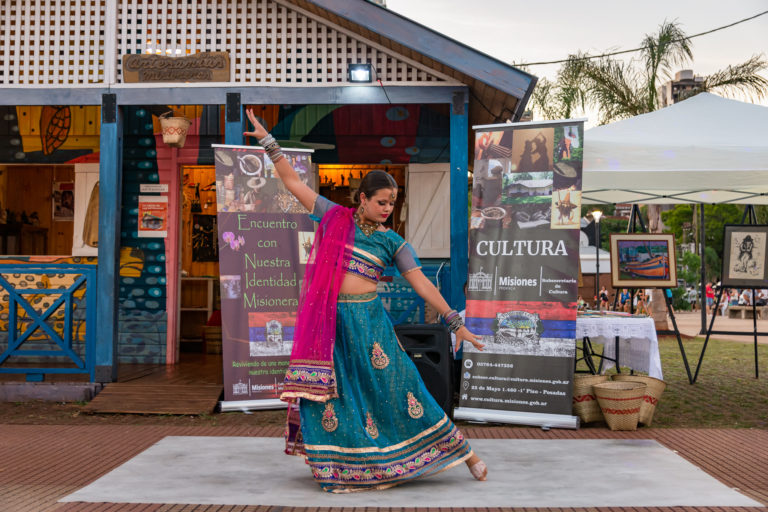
(523,273)
(264,240)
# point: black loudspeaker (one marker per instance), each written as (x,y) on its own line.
(429,347)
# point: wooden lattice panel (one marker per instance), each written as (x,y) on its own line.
(72,42)
(269,41)
(52,42)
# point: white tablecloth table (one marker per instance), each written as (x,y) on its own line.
(638,345)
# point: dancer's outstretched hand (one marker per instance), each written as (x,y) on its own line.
(463,334)
(258,131)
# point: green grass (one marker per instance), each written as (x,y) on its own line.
(726,393)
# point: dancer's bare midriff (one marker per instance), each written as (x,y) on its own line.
(354,285)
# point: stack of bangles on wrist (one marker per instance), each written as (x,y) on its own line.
(453,320)
(272,148)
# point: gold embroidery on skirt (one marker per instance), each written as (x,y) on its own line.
(330,421)
(379,359)
(370,426)
(415,410)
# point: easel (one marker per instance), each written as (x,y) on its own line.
(635,217)
(749,214)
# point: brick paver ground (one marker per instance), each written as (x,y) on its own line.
(40,464)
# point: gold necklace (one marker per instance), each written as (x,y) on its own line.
(366,226)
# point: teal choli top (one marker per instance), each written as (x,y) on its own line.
(371,255)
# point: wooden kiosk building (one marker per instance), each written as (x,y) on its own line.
(83,85)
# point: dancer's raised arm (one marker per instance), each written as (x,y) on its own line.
(285,170)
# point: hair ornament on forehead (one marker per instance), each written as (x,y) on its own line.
(374,181)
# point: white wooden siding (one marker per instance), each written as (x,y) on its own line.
(428,227)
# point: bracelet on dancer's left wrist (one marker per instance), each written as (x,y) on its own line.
(267,139)
(456,323)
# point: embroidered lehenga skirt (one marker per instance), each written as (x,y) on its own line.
(384,428)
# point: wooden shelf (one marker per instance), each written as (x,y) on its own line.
(197,305)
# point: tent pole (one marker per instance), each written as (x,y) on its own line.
(702,296)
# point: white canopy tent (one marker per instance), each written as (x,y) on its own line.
(706,149)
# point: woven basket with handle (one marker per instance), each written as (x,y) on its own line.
(174,129)
(585,404)
(620,403)
(654,389)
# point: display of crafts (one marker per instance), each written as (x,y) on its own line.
(595,313)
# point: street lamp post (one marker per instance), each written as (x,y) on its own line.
(596,215)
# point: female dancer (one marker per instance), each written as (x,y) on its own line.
(358,410)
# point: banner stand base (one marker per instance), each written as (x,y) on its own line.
(545,421)
(251,405)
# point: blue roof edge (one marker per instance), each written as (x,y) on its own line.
(434,45)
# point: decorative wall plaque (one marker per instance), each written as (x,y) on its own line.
(199,67)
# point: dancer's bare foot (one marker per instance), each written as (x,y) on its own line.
(477,467)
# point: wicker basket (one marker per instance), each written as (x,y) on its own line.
(620,403)
(212,335)
(174,129)
(653,391)
(585,404)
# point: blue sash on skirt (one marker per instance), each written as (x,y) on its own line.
(384,428)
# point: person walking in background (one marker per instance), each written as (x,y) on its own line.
(693,296)
(725,301)
(604,298)
(709,294)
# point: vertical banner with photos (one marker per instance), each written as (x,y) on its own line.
(523,273)
(264,238)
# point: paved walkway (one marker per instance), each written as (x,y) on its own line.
(41,464)
(689,324)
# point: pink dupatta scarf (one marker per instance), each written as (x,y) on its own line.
(310,374)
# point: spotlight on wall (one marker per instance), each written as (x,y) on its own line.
(360,73)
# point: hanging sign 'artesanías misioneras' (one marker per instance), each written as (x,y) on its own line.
(523,273)
(265,236)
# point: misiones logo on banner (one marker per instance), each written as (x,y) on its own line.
(523,273)
(265,237)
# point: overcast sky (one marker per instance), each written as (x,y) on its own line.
(525,31)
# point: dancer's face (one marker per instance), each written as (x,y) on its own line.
(379,206)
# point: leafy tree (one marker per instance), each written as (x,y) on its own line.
(680,221)
(712,264)
(688,268)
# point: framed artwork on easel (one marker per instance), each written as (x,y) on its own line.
(745,256)
(643,260)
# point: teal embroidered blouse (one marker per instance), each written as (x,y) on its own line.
(372,254)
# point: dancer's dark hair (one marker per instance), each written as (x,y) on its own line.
(373,182)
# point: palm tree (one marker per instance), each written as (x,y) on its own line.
(566,96)
(624,89)
(620,89)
